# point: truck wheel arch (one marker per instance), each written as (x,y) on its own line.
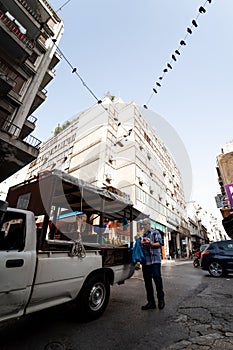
(94,295)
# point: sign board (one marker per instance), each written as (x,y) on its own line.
(219,199)
(229,191)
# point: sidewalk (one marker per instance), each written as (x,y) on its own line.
(177,261)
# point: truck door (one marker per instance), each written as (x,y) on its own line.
(17,265)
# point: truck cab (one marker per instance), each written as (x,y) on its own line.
(18,262)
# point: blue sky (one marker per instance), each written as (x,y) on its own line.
(123,46)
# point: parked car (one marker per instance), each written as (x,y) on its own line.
(217,258)
(203,247)
(200,250)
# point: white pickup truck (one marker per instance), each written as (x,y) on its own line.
(44,262)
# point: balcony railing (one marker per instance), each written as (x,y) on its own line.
(32,119)
(32,141)
(6,78)
(14,130)
(14,29)
(5,73)
(30,10)
(10,128)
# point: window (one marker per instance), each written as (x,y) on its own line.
(12,234)
(225,246)
(33,57)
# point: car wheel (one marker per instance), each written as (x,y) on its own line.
(93,298)
(215,269)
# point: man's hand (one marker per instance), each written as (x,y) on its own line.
(146,242)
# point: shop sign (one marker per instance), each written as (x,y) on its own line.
(229,191)
(172,221)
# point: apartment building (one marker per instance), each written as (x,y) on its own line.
(204,227)
(112,145)
(29,33)
(225,178)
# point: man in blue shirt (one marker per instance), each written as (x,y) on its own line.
(151,242)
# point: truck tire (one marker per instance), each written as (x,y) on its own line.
(93,297)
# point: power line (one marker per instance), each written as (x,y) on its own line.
(127,133)
(63,5)
(177,52)
(74,71)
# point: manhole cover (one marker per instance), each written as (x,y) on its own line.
(54,346)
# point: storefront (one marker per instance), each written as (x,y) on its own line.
(184,241)
(162,230)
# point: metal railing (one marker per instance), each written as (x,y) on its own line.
(14,29)
(5,73)
(14,130)
(32,119)
(6,78)
(10,128)
(32,141)
(30,10)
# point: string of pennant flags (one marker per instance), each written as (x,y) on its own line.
(167,68)
(177,52)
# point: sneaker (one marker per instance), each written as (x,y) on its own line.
(148,306)
(161,304)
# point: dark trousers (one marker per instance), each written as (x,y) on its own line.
(150,273)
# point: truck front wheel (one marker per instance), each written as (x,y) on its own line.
(93,297)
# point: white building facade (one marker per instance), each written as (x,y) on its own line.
(112,145)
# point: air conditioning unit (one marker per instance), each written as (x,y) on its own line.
(108,177)
(119,143)
(140,180)
(110,159)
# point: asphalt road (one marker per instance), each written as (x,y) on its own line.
(197,306)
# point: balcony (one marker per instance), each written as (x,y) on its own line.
(28,127)
(16,44)
(26,15)
(14,152)
(39,99)
(14,131)
(6,84)
(55,60)
(34,15)
(49,75)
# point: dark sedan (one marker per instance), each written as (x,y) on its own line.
(218,258)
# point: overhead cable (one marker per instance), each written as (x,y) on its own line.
(177,52)
(63,5)
(74,71)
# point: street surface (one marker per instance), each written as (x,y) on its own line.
(198,315)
